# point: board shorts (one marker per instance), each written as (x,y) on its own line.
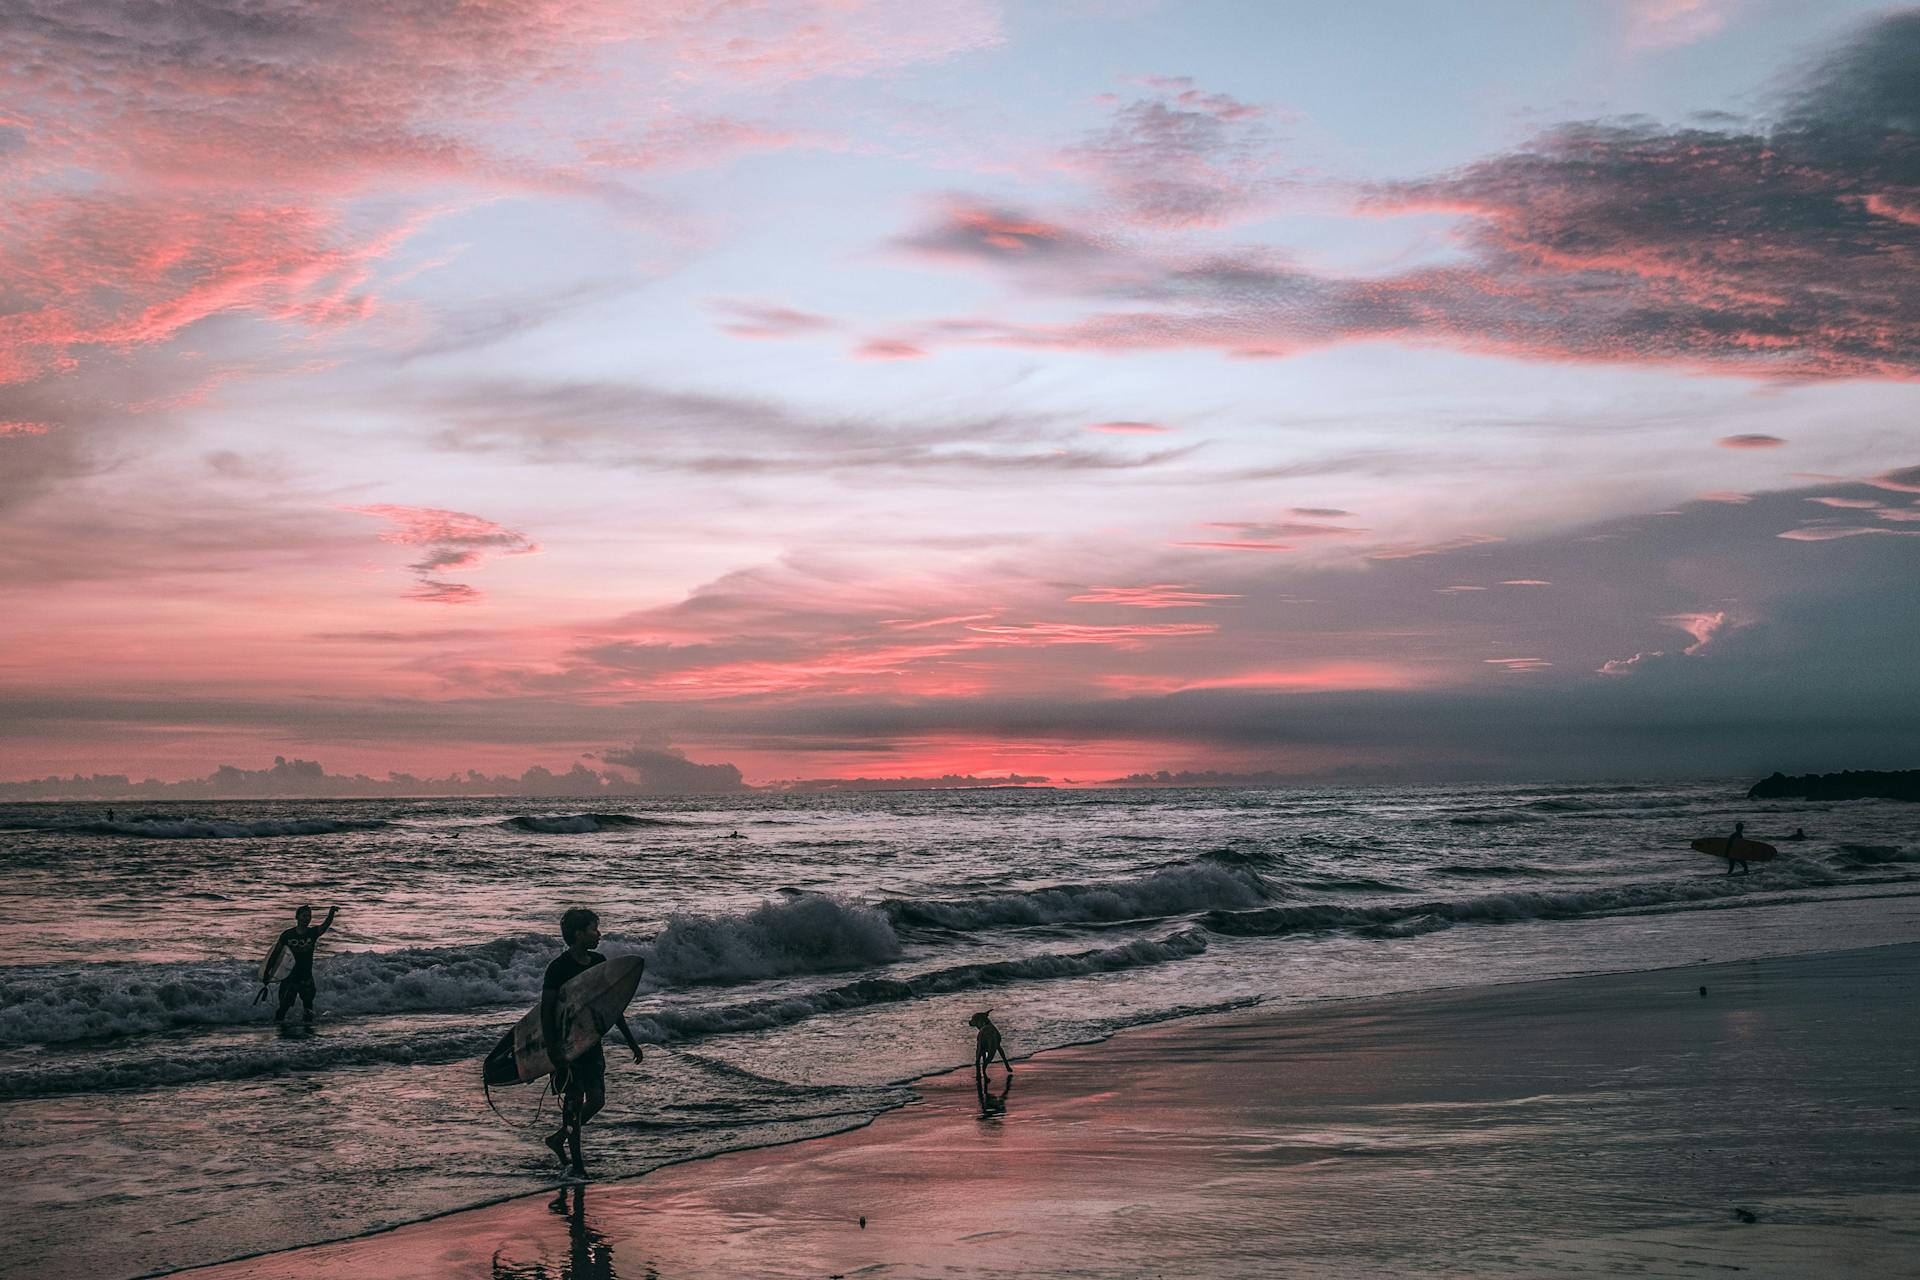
(587,1072)
(303,991)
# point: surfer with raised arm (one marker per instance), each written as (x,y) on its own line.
(582,1080)
(297,942)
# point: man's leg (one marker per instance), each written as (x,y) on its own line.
(569,1107)
(287,994)
(592,1099)
(306,1000)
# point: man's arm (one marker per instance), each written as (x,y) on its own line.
(627,1031)
(273,958)
(328,922)
(550,1034)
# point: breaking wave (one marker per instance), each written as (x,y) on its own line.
(1174,890)
(1403,919)
(574,824)
(237,1058)
(54,1004)
(805,934)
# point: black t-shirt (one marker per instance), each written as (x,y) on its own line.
(565,968)
(299,944)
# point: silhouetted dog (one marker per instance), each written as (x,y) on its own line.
(987,1043)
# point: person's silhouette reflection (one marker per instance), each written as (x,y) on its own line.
(992,1105)
(589,1256)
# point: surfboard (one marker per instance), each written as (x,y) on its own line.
(1743,850)
(589,1003)
(276,964)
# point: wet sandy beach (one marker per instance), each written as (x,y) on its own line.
(1617,1124)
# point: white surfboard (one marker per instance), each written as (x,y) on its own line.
(589,1004)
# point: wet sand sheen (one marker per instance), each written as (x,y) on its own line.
(1583,1126)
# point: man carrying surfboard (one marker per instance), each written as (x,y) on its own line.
(581,1080)
(298,943)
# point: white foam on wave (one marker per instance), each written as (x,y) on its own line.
(231,1057)
(1175,890)
(1405,919)
(55,1004)
(810,933)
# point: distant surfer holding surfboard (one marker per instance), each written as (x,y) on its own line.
(296,943)
(581,1080)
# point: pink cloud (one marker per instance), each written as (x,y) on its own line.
(1667,24)
(967,230)
(888,349)
(1163,595)
(117,273)
(1863,504)
(23,428)
(1320,677)
(1418,550)
(1726,497)
(1884,205)
(1830,532)
(1525,582)
(1049,634)
(1905,480)
(1129,428)
(815,38)
(1714,249)
(1284,529)
(687,142)
(1703,627)
(452,539)
(1237,546)
(444,593)
(189,161)
(1750,441)
(765,320)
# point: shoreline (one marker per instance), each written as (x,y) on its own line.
(1267,1035)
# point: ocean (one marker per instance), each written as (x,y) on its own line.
(800,975)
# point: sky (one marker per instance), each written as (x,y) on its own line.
(838,388)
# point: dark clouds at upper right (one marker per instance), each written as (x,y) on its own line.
(1777,251)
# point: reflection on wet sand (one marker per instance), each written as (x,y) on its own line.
(589,1253)
(992,1105)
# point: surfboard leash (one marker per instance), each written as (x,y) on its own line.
(486,1090)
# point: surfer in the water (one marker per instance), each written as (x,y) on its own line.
(1738,838)
(298,942)
(582,1082)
